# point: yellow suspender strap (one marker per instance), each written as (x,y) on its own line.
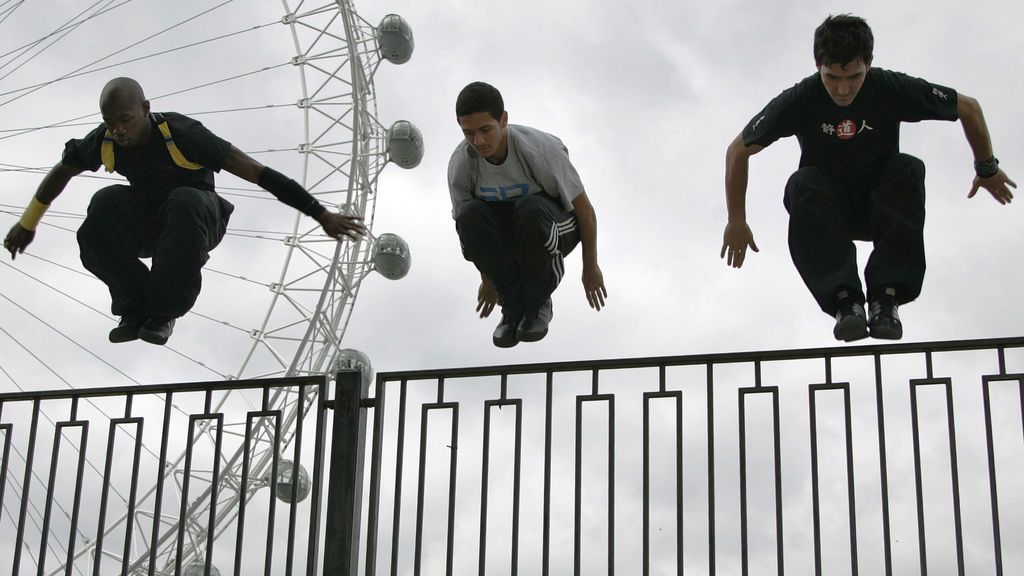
(176,154)
(107,150)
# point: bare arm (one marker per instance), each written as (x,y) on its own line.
(593,278)
(737,234)
(976,130)
(19,237)
(242,165)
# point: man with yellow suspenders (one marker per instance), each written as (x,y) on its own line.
(168,210)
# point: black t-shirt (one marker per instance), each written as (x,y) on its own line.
(150,165)
(852,142)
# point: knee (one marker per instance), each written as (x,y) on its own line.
(910,166)
(185,199)
(471,215)
(107,200)
(104,206)
(804,186)
(529,207)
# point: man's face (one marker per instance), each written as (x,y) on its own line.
(128,120)
(843,81)
(486,135)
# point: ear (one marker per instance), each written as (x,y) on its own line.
(145,106)
(504,119)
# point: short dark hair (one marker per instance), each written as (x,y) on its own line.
(843,39)
(479,97)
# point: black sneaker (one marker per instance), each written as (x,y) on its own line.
(851,322)
(505,333)
(157,330)
(127,329)
(534,325)
(885,319)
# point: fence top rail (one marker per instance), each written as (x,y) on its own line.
(174,388)
(707,359)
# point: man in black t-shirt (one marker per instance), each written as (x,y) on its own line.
(853,183)
(169,210)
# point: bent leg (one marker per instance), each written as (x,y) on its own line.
(110,240)
(897,229)
(545,234)
(486,234)
(820,240)
(191,223)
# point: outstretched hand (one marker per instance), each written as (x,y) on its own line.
(337,225)
(735,240)
(593,286)
(998,185)
(18,238)
(486,298)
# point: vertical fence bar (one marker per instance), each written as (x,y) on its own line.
(160,476)
(377,403)
(25,486)
(293,503)
(580,400)
(105,490)
(773,391)
(646,529)
(317,482)
(453,447)
(489,405)
(710,386)
(947,385)
(76,501)
(813,389)
(242,502)
(485,462)
(678,397)
(452,470)
(743,482)
(399,467)
(546,520)
(883,466)
(993,491)
(344,509)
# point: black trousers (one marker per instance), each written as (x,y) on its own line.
(826,216)
(177,227)
(519,245)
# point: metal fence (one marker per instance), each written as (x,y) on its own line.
(889,459)
(894,459)
(183,478)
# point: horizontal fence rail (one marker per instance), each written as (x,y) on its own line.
(881,459)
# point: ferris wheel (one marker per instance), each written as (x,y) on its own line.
(282,303)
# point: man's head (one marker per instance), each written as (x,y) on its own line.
(481,114)
(125,111)
(843,50)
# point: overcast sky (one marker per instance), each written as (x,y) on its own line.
(646,95)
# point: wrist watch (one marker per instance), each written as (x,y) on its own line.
(986,168)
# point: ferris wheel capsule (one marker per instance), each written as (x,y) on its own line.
(396,42)
(405,144)
(391,256)
(289,488)
(352,359)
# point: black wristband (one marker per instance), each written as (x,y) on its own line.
(987,168)
(290,192)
